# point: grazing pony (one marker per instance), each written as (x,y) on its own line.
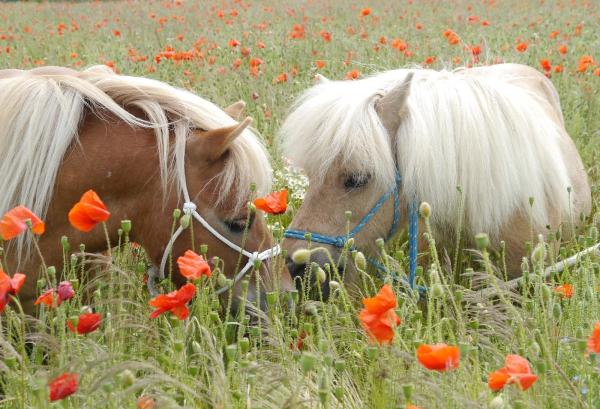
(145,147)
(496,132)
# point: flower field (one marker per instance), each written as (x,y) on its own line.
(102,341)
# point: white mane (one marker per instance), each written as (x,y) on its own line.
(484,134)
(40,114)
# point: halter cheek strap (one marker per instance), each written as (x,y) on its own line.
(340,241)
(190,208)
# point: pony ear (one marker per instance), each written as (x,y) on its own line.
(390,107)
(211,145)
(236,110)
(320,79)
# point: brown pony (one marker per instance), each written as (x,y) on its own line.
(139,143)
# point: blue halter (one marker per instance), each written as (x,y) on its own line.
(413,230)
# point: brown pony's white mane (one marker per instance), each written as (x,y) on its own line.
(487,135)
(41,112)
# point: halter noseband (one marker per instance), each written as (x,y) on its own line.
(340,241)
(190,208)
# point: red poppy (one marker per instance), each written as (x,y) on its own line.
(365,12)
(516,370)
(319,64)
(49,298)
(584,63)
(145,402)
(564,290)
(562,49)
(546,66)
(87,323)
(63,386)
(352,75)
(326,35)
(175,302)
(273,203)
(398,44)
(593,344)
(88,212)
(283,77)
(9,286)
(429,60)
(521,47)
(193,266)
(452,37)
(14,222)
(378,317)
(438,357)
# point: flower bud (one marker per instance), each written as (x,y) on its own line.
(482,241)
(350,243)
(308,362)
(556,311)
(185,221)
(545,292)
(497,403)
(380,243)
(301,256)
(360,260)
(126,378)
(437,291)
(407,391)
(538,255)
(334,285)
(64,241)
(320,275)
(425,210)
(176,214)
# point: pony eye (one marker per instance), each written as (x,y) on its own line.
(356,180)
(239,225)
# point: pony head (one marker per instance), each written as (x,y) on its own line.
(342,134)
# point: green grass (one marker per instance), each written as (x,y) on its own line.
(222,361)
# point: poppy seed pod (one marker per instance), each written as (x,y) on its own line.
(425,210)
(301,256)
(350,243)
(380,243)
(482,241)
(126,226)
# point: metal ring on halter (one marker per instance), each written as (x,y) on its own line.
(413,231)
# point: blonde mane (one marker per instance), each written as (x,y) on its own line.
(41,112)
(485,134)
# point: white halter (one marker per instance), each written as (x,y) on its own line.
(189,208)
